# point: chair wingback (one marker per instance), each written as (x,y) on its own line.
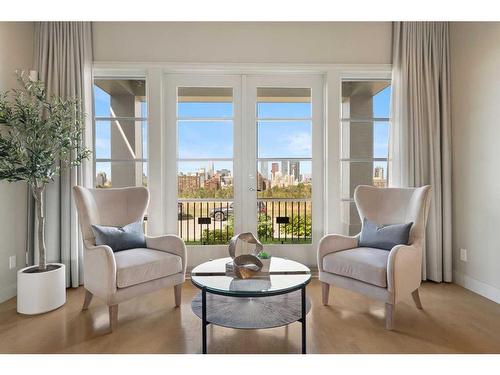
(395,206)
(112,207)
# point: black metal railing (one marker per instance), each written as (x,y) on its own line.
(202,222)
(284,221)
(279,221)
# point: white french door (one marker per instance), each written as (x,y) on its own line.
(247,152)
(283,162)
(203,172)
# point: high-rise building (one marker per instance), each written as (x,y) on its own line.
(213,183)
(284,168)
(261,182)
(264,169)
(379,172)
(295,170)
(101,179)
(226,180)
(210,172)
(274,168)
(379,177)
(202,173)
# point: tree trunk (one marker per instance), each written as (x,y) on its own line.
(39,200)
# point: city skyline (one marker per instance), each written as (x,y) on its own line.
(282,174)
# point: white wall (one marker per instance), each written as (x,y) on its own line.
(16,52)
(475,80)
(251,42)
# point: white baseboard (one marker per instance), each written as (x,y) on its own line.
(7,292)
(477,286)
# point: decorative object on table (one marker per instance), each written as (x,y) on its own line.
(243,242)
(265,258)
(248,246)
(246,266)
(42,137)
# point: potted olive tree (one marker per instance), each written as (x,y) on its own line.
(39,137)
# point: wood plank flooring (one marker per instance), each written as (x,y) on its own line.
(454,320)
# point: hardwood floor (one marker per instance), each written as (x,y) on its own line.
(453,320)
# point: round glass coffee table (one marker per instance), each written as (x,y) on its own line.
(268,300)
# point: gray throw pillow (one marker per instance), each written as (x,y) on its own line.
(130,236)
(384,236)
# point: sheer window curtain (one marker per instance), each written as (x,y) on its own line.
(420,150)
(63,60)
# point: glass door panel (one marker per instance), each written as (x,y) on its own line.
(284,165)
(205,178)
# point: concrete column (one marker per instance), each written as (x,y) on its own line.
(360,147)
(125,142)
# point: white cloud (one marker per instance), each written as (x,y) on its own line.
(299,143)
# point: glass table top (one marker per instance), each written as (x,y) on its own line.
(284,276)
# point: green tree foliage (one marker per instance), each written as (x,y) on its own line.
(300,190)
(224,193)
(218,236)
(264,227)
(39,137)
(298,227)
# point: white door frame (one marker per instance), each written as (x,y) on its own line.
(172,82)
(305,253)
(244,155)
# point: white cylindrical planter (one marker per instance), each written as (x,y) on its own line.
(40,292)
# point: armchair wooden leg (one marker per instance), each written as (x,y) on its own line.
(113,317)
(416,299)
(389,311)
(87,300)
(325,291)
(178,294)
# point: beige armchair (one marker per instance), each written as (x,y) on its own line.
(388,276)
(116,277)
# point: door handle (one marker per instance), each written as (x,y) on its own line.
(253,189)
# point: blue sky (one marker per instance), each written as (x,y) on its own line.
(103,131)
(381,109)
(214,139)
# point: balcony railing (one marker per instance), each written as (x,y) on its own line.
(279,221)
(284,221)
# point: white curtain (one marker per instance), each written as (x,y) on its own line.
(420,151)
(63,59)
